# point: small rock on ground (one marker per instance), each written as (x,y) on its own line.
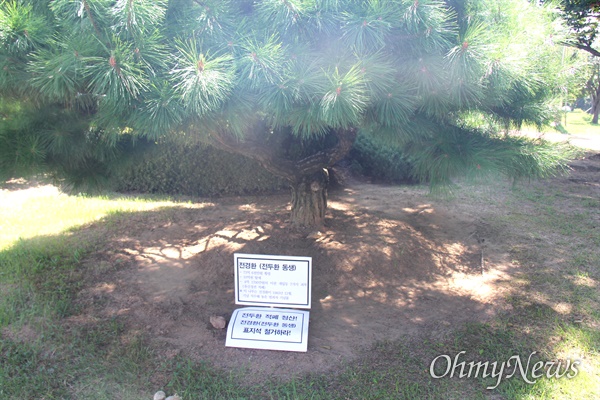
(217,321)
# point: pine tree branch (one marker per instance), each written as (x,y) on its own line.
(588,48)
(91,17)
(129,18)
(329,157)
(293,171)
(258,151)
(291,9)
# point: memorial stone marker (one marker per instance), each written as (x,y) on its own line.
(271,281)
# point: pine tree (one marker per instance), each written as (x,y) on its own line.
(290,83)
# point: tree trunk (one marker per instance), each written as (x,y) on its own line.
(309,200)
(595,106)
(308,176)
(593,87)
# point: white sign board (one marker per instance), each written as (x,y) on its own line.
(268,329)
(273,281)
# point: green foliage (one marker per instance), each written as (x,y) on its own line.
(190,169)
(381,162)
(55,141)
(470,153)
(203,82)
(20,149)
(406,71)
(582,18)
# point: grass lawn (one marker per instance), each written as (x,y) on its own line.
(552,234)
(578,122)
(575,128)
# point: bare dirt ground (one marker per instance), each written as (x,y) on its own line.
(391,263)
(380,271)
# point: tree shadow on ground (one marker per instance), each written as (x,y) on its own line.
(163,273)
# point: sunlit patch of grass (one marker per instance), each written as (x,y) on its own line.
(574,344)
(39,254)
(578,341)
(50,212)
(576,122)
(40,258)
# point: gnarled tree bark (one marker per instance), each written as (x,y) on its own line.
(309,200)
(307,177)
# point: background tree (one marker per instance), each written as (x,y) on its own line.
(592,87)
(581,16)
(289,83)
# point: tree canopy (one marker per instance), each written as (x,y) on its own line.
(291,83)
(581,16)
